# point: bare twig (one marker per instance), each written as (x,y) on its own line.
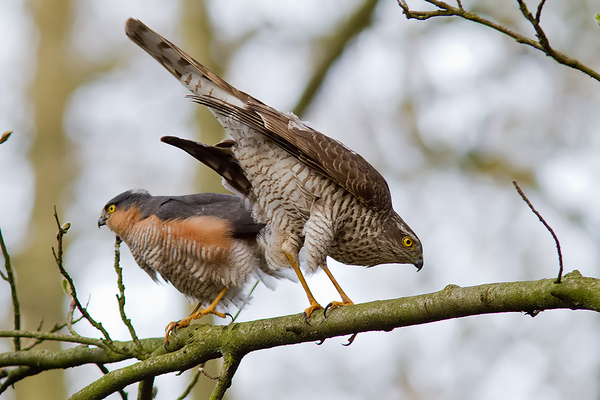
(245,302)
(55,328)
(121,300)
(193,382)
(5,136)
(560,259)
(535,22)
(10,278)
(542,44)
(58,337)
(62,230)
(203,371)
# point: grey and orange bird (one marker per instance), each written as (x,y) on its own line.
(204,244)
(311,191)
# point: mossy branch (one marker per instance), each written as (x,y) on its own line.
(197,344)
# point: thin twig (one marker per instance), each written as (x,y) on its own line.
(535,23)
(542,44)
(560,259)
(10,278)
(60,337)
(193,382)
(55,328)
(538,14)
(231,363)
(245,302)
(203,371)
(121,300)
(62,230)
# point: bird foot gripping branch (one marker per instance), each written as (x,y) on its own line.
(196,314)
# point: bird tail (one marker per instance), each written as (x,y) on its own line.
(193,75)
(219,158)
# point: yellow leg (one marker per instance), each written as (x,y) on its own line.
(345,299)
(314,305)
(211,309)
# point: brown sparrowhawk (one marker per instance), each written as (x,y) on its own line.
(311,191)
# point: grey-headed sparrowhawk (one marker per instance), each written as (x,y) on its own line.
(204,244)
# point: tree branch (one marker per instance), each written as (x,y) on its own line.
(62,230)
(543,221)
(200,343)
(197,344)
(10,278)
(121,300)
(542,44)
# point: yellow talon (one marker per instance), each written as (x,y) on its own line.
(211,309)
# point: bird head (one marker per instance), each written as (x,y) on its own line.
(404,245)
(121,208)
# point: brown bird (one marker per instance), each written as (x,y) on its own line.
(204,244)
(310,190)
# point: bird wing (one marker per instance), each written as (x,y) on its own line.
(223,206)
(325,155)
(218,157)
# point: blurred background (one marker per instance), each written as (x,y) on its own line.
(448,111)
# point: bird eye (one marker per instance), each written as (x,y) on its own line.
(111,208)
(408,242)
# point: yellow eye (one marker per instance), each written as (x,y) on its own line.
(111,208)
(408,242)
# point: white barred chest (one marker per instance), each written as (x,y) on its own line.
(198,271)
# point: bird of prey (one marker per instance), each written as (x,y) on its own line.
(204,244)
(313,193)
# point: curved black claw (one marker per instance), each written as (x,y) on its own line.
(320,342)
(305,315)
(350,340)
(327,308)
(230,316)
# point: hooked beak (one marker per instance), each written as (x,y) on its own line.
(102,220)
(419,264)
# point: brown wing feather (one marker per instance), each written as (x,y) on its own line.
(322,153)
(327,156)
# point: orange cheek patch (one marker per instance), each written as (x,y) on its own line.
(121,221)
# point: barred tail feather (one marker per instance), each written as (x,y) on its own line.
(193,75)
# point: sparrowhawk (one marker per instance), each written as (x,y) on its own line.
(204,244)
(311,191)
